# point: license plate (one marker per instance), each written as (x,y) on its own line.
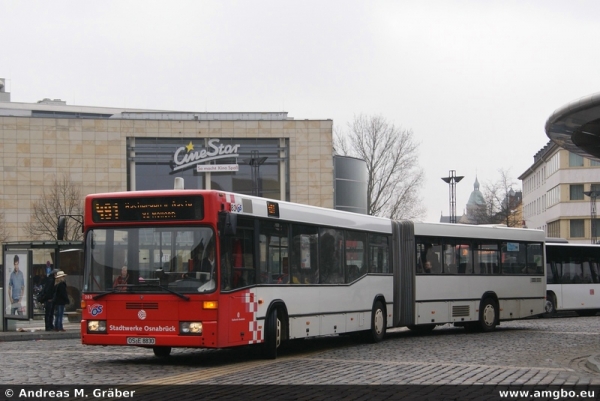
(141,340)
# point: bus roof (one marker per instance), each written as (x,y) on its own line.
(474,231)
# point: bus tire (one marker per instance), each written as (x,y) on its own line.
(550,307)
(272,335)
(378,323)
(162,352)
(488,315)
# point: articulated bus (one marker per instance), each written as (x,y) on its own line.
(209,269)
(573,274)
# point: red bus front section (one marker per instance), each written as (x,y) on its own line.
(161,320)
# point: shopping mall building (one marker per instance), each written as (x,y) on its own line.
(103,149)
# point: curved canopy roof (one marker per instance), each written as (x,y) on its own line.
(576,126)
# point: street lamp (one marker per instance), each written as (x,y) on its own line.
(452,180)
(255,161)
(592,195)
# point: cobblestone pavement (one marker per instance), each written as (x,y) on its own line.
(536,352)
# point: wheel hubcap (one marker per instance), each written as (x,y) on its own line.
(489,315)
(378,321)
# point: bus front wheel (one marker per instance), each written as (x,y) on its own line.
(162,352)
(488,315)
(550,307)
(272,335)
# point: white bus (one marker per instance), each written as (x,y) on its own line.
(479,275)
(288,271)
(573,274)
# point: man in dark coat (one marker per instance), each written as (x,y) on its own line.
(47,296)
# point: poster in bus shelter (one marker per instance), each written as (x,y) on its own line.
(16,285)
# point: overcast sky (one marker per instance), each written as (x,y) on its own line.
(474,80)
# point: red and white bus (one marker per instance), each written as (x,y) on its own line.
(286,271)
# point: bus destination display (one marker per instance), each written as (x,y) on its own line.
(147,209)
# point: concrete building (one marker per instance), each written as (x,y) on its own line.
(105,149)
(554,188)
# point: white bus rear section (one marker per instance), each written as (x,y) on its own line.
(454,299)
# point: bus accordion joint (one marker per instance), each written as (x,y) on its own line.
(210,305)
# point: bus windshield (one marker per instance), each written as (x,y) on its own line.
(150,259)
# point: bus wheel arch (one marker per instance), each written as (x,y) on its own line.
(489,312)
(275,329)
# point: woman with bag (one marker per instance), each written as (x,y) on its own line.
(61,298)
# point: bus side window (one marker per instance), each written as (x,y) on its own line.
(355,254)
(304,257)
(331,256)
(379,254)
(595,272)
(237,257)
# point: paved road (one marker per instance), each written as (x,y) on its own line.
(537,352)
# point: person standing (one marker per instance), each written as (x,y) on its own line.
(61,298)
(16,288)
(47,295)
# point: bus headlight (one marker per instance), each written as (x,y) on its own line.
(96,326)
(190,328)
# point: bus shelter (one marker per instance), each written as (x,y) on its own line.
(24,269)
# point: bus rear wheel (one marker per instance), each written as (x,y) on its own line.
(378,323)
(488,315)
(162,352)
(272,335)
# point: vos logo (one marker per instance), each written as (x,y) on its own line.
(95,309)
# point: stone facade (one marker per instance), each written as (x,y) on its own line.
(35,151)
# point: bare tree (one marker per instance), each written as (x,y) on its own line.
(394,174)
(3,229)
(502,202)
(62,198)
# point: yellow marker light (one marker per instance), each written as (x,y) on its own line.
(210,305)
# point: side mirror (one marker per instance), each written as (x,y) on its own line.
(60,230)
(227,224)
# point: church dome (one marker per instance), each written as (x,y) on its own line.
(476,198)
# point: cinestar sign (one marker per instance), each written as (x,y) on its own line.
(186,157)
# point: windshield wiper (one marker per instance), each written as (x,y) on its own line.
(118,288)
(162,287)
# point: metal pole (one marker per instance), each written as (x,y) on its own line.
(452,180)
